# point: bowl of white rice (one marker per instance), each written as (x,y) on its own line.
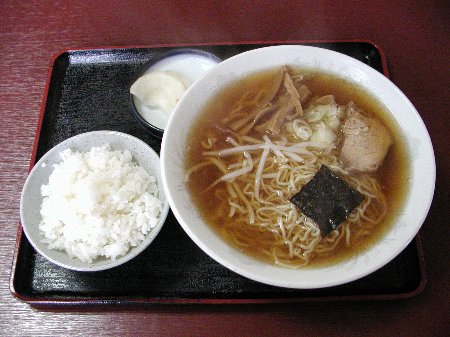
(94,201)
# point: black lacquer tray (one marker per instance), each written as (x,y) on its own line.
(88,90)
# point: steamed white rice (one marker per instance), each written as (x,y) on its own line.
(98,203)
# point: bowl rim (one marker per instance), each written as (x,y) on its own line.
(103,264)
(153,129)
(285,278)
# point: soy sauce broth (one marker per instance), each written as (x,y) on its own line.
(392,175)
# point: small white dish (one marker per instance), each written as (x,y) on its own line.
(421,180)
(191,64)
(31,198)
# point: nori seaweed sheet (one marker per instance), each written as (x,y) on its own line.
(327,199)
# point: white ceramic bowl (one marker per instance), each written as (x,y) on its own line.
(421,179)
(190,64)
(31,199)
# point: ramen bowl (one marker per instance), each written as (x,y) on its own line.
(407,221)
